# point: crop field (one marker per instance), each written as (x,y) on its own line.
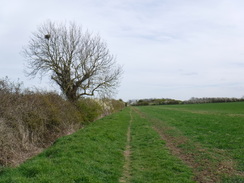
(207,137)
(157,144)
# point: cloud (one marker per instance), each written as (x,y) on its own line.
(172,48)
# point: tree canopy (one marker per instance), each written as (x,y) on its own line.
(78,61)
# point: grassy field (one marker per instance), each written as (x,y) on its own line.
(178,143)
(122,147)
(207,137)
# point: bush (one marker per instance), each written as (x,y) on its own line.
(30,121)
(93,109)
(89,108)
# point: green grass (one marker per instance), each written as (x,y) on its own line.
(207,137)
(214,132)
(96,154)
(150,159)
(93,154)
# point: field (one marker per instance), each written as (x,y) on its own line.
(207,137)
(172,143)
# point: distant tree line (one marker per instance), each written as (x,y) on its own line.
(193,100)
(163,101)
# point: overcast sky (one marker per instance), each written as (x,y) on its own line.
(168,48)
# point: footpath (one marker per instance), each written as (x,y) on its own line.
(122,147)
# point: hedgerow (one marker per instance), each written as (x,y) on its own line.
(32,120)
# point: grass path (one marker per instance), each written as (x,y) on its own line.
(122,147)
(127,153)
(151,160)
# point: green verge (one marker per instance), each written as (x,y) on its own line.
(96,154)
(151,161)
(93,154)
(214,133)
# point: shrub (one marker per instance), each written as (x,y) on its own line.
(89,109)
(30,121)
(92,109)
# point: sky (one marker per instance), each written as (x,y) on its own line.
(168,48)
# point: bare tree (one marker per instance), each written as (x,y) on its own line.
(79,62)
